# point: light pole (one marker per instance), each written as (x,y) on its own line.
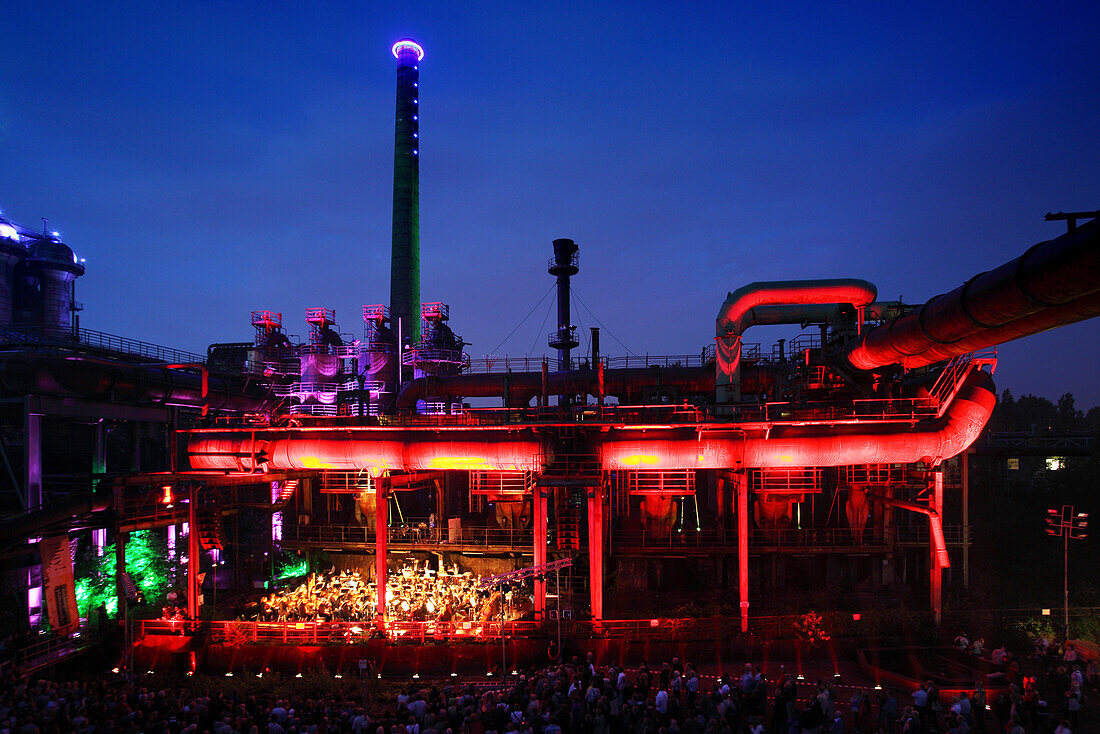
(1066,523)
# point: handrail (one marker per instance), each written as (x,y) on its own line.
(491,363)
(236,632)
(33,334)
(419,533)
(406,534)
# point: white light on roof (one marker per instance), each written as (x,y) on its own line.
(9,232)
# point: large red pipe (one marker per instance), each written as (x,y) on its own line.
(375,450)
(1047,286)
(371,451)
(742,309)
(789,293)
(809,445)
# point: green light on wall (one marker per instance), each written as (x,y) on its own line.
(146,563)
(292,567)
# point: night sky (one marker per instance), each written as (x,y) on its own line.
(211,158)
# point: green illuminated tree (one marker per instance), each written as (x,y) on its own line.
(145,561)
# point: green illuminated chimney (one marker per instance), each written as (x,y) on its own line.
(405,252)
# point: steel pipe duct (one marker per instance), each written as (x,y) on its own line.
(518,388)
(27,373)
(790,293)
(371,451)
(816,445)
(736,315)
(1047,286)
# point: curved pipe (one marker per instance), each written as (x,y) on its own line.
(1032,293)
(819,445)
(373,451)
(78,376)
(790,293)
(737,314)
(518,388)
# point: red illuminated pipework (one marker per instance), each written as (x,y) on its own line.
(816,445)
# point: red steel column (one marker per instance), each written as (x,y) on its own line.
(743,547)
(381,530)
(936,584)
(540,549)
(193,553)
(595,549)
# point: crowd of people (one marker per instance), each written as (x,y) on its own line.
(413,594)
(577,696)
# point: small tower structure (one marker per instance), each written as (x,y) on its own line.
(564,264)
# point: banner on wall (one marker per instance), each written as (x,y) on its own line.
(58,592)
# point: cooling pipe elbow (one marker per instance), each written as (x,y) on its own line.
(737,314)
(851,291)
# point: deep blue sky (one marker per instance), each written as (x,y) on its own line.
(210,158)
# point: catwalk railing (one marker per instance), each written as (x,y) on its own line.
(47,650)
(97,340)
(411,534)
(726,540)
(836,624)
(902,410)
(502,363)
(521,539)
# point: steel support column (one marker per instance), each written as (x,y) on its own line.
(32,459)
(936,580)
(743,547)
(135,447)
(595,550)
(194,587)
(720,501)
(120,568)
(381,531)
(540,549)
(966,517)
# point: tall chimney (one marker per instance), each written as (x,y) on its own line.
(564,264)
(405,252)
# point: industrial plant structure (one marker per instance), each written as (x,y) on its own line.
(838,455)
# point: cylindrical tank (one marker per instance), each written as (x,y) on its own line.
(378,367)
(11,252)
(57,269)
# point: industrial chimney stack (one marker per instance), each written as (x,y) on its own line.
(405,253)
(564,265)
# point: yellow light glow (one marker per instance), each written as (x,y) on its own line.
(467,463)
(312,462)
(639,459)
(785,458)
